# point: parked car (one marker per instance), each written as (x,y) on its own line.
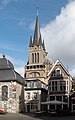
(2,111)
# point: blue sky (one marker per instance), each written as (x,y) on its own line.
(17,19)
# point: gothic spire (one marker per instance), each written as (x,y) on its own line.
(30,44)
(36,32)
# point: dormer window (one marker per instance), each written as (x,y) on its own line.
(58,72)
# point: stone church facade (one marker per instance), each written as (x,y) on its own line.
(38,64)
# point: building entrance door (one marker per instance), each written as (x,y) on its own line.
(28,108)
(74,107)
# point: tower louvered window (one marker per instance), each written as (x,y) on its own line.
(38,57)
(35,57)
(32,58)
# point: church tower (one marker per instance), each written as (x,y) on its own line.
(38,64)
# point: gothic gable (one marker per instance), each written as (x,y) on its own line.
(58,71)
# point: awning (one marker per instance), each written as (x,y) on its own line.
(53,102)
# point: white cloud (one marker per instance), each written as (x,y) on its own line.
(59,35)
(4,3)
(72,72)
(20,70)
(18,65)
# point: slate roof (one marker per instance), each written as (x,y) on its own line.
(7,72)
(4,63)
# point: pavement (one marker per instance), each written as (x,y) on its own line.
(16,117)
(28,117)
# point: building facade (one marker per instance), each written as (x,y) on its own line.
(11,88)
(35,93)
(73,97)
(60,86)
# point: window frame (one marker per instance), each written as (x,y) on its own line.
(4,93)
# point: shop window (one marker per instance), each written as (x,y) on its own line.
(59,98)
(52,98)
(74,107)
(52,107)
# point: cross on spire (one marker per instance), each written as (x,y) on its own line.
(37,11)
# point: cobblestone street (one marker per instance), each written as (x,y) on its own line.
(26,117)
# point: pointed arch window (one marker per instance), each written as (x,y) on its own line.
(38,57)
(4,93)
(32,58)
(35,57)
